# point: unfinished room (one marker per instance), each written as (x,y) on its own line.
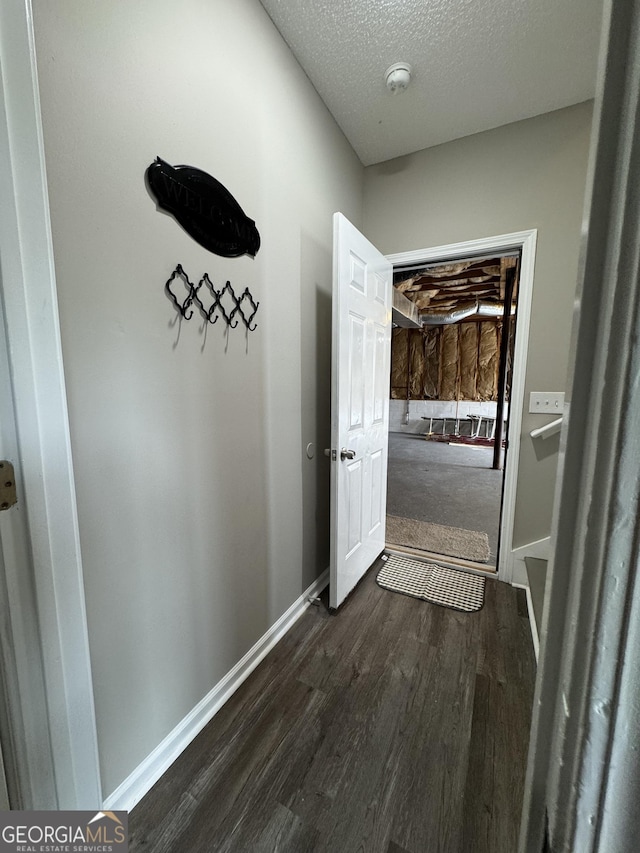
(451,366)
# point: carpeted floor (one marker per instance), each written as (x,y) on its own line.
(451,486)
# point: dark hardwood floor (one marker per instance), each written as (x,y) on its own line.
(393,726)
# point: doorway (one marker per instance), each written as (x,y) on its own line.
(456,377)
(450,389)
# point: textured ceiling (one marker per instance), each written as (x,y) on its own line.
(477,64)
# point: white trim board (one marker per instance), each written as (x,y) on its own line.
(37,377)
(535,637)
(455,563)
(583,780)
(144,777)
(540,549)
(525,242)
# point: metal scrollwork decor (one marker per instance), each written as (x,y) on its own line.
(212,304)
(204,207)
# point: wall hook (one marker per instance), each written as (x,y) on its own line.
(213,303)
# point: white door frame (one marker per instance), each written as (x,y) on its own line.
(32,326)
(584,775)
(525,242)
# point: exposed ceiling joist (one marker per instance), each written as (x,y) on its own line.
(443,288)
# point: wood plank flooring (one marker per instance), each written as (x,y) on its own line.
(393,726)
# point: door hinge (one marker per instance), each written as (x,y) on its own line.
(8,495)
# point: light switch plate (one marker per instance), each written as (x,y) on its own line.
(546,402)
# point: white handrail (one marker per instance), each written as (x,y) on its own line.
(547,429)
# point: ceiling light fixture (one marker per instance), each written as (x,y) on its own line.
(397,77)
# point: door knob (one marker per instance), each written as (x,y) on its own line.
(347,454)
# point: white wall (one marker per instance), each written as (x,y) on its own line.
(530,174)
(201,518)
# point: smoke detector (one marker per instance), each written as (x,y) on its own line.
(397,77)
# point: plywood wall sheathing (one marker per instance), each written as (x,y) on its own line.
(505,264)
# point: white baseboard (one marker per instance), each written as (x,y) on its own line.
(146,774)
(541,549)
(535,637)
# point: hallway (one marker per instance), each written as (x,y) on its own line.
(393,726)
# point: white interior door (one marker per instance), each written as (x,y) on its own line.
(362,301)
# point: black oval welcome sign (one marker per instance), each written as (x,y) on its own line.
(205,209)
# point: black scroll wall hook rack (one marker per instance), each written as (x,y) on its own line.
(211,303)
